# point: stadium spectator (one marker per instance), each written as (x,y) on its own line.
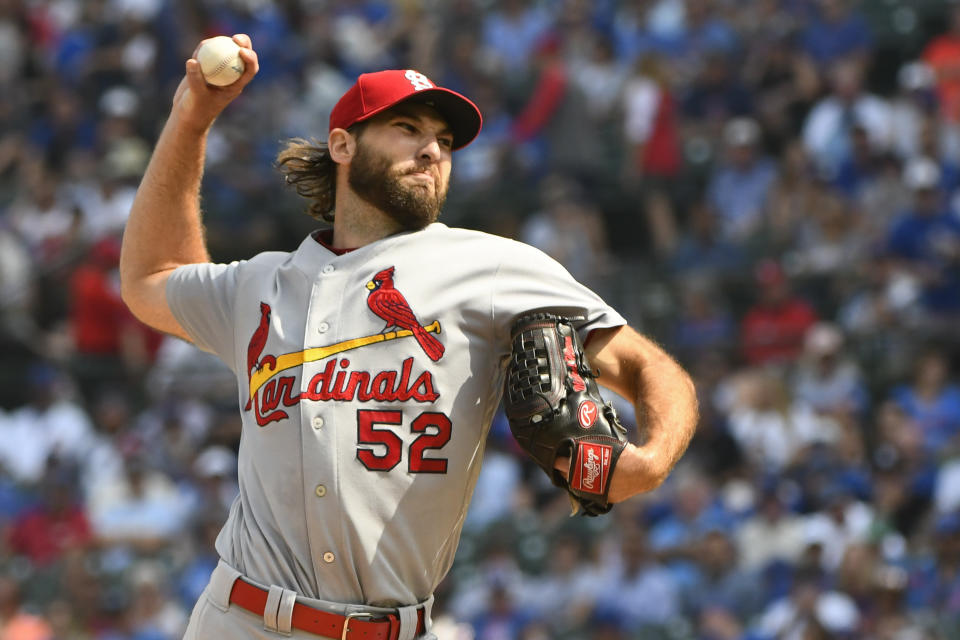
(772,536)
(720,584)
(740,187)
(502,618)
(639,590)
(829,127)
(772,428)
(109,343)
(56,525)
(48,225)
(784,80)
(566,594)
(142,509)
(653,158)
(715,96)
(773,329)
(827,380)
(50,426)
(511,32)
(941,54)
(932,401)
(703,324)
(837,31)
(569,230)
(925,240)
(810,611)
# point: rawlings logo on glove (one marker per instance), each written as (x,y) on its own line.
(593,462)
(555,410)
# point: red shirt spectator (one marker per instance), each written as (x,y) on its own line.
(548,93)
(45,533)
(943,55)
(99,319)
(773,330)
(650,120)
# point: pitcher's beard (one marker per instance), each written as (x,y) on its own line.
(371,179)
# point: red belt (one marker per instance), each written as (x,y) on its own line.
(323,623)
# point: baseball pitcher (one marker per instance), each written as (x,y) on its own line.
(370,362)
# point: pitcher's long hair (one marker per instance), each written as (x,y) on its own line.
(307,166)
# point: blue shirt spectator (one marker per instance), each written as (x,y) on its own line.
(512,32)
(927,239)
(640,591)
(931,401)
(836,32)
(739,189)
(720,582)
(717,94)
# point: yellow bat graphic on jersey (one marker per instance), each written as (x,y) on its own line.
(290,360)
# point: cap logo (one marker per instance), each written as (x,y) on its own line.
(418,80)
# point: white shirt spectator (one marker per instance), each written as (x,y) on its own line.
(143,505)
(103,465)
(836,612)
(771,438)
(835,535)
(16,273)
(104,209)
(41,222)
(30,435)
(602,82)
(830,120)
(946,491)
(764,539)
(641,98)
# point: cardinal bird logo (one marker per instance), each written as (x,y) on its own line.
(388,303)
(257,342)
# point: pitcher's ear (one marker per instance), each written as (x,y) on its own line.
(341,145)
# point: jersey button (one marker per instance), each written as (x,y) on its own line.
(328,268)
(328,557)
(320,491)
(317,422)
(322,327)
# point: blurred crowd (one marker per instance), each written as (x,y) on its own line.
(769,188)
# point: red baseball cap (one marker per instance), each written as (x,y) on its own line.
(378,91)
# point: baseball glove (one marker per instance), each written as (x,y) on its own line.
(555,409)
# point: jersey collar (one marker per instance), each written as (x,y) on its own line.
(325,238)
(314,253)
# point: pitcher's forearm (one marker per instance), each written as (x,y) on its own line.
(165,228)
(665,401)
(667,409)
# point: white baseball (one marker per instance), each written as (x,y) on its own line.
(220,61)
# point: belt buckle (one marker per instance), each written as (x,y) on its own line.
(351,616)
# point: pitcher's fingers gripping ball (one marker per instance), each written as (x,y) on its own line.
(220,61)
(555,409)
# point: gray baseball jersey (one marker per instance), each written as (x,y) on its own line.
(368,382)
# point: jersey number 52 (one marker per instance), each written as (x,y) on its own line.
(381,449)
